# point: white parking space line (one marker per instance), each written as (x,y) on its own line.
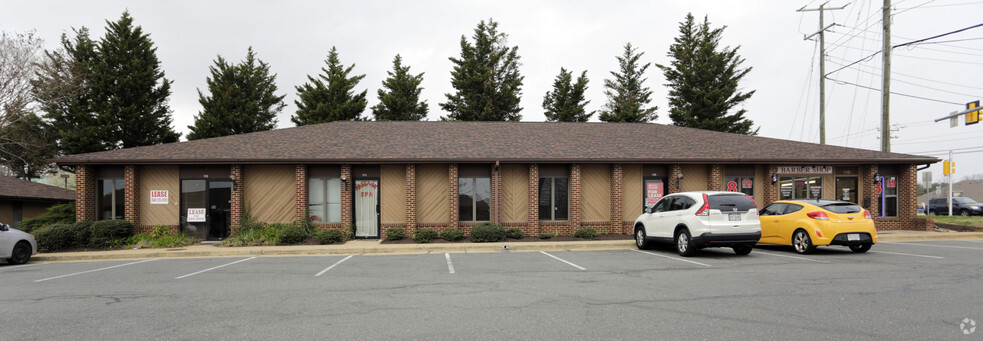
(787,256)
(562,260)
(100,269)
(942,246)
(450,266)
(908,254)
(332,265)
(676,258)
(8,267)
(213,268)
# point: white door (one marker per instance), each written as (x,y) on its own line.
(366,208)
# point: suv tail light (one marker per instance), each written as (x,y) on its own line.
(867,214)
(818,215)
(752,201)
(705,209)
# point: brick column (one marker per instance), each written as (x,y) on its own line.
(770,190)
(85,196)
(236,224)
(907,194)
(575,196)
(870,190)
(617,193)
(410,198)
(346,198)
(715,176)
(131,200)
(673,179)
(496,190)
(300,193)
(533,219)
(452,188)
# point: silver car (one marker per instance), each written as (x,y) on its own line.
(16,246)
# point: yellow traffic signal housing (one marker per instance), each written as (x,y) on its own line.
(948,167)
(973,117)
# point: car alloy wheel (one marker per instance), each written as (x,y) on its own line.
(860,248)
(802,242)
(684,243)
(640,238)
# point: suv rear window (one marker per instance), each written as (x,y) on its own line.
(728,202)
(842,208)
(964,200)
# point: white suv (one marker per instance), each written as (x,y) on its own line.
(694,220)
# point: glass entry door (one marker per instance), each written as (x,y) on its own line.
(206,208)
(219,208)
(366,193)
(846,189)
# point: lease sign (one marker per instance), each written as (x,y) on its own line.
(158,197)
(196,215)
(653,191)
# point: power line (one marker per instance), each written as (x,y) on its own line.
(895,93)
(906,44)
(947,5)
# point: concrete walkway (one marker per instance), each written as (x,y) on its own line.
(375,247)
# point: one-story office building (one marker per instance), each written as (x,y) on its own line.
(537,176)
(22,199)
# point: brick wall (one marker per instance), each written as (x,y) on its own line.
(673,179)
(575,196)
(532,228)
(346,197)
(907,197)
(770,190)
(85,193)
(870,189)
(714,177)
(617,202)
(236,172)
(452,186)
(410,198)
(131,190)
(300,193)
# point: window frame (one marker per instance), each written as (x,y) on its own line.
(553,204)
(117,201)
(474,198)
(326,202)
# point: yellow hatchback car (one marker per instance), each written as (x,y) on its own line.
(804,224)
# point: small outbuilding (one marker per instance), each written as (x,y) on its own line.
(537,176)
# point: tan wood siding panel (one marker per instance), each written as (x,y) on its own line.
(6,212)
(269,192)
(760,181)
(392,188)
(432,197)
(596,187)
(34,209)
(829,187)
(153,178)
(694,178)
(515,193)
(633,191)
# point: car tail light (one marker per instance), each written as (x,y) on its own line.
(867,215)
(819,234)
(752,201)
(705,209)
(818,215)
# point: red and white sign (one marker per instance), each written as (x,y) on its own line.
(732,186)
(158,197)
(891,183)
(653,192)
(196,215)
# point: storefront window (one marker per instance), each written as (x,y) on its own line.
(743,184)
(110,199)
(474,199)
(890,196)
(553,198)
(800,187)
(324,200)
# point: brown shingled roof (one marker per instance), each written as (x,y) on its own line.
(543,142)
(13,188)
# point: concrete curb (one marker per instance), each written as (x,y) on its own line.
(375,248)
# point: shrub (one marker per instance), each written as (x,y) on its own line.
(452,234)
(546,235)
(161,231)
(55,237)
(487,232)
(395,233)
(585,233)
(57,214)
(148,240)
(290,233)
(105,233)
(514,233)
(82,230)
(329,237)
(424,235)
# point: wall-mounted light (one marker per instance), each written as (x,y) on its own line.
(877,177)
(344,182)
(233,178)
(679,181)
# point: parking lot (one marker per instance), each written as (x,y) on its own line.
(911,290)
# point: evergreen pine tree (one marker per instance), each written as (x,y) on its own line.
(330,97)
(401,100)
(703,81)
(242,99)
(128,88)
(28,157)
(566,103)
(486,78)
(627,97)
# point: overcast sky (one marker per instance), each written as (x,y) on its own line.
(295,36)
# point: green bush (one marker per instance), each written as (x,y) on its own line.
(487,232)
(424,235)
(57,214)
(81,231)
(395,233)
(452,234)
(546,235)
(290,233)
(585,233)
(329,237)
(55,237)
(514,233)
(106,233)
(161,231)
(148,240)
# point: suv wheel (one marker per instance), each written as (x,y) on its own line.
(743,249)
(964,213)
(640,238)
(684,243)
(860,248)
(802,242)
(931,212)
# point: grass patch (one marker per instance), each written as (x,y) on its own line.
(958,220)
(147,240)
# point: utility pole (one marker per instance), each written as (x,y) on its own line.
(886,77)
(950,184)
(822,65)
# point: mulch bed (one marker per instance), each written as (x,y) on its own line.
(409,240)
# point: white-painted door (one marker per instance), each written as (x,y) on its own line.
(366,208)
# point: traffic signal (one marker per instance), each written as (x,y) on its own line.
(974,116)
